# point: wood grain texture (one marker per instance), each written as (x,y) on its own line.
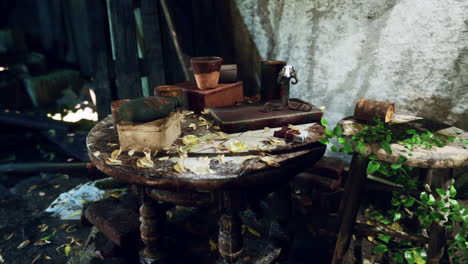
(453,155)
(127,73)
(252,172)
(150,15)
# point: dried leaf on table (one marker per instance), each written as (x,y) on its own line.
(164,158)
(270,161)
(322,107)
(293,127)
(187,113)
(131,152)
(41,193)
(266,129)
(220,157)
(277,141)
(23,244)
(70,229)
(47,257)
(112,144)
(96,153)
(205,111)
(193,126)
(145,163)
(217,127)
(111,161)
(237,146)
(115,154)
(190,140)
(41,242)
(179,167)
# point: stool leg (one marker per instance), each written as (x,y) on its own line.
(230,227)
(349,206)
(437,178)
(152,217)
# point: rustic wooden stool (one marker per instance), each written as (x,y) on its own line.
(437,163)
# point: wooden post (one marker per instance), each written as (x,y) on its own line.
(152,218)
(100,45)
(127,69)
(437,178)
(350,205)
(153,45)
(230,227)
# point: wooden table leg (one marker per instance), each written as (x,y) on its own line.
(437,178)
(152,217)
(349,205)
(230,227)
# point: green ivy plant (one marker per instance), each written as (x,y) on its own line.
(429,206)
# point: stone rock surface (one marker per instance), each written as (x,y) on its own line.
(411,52)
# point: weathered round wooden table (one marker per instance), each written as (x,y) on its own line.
(437,164)
(210,173)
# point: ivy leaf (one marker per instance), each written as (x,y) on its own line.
(324,141)
(408,202)
(384,238)
(398,257)
(67,250)
(381,248)
(328,133)
(372,156)
(436,216)
(386,146)
(441,192)
(424,197)
(360,146)
(338,131)
(372,167)
(411,131)
(334,149)
(453,191)
(323,122)
(431,200)
(397,216)
(409,256)
(396,166)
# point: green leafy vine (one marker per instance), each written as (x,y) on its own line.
(429,207)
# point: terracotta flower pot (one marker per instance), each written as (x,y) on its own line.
(206,70)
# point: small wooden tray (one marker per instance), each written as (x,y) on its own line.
(241,118)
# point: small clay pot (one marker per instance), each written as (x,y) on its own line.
(115,106)
(206,71)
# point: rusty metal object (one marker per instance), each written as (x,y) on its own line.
(269,75)
(115,106)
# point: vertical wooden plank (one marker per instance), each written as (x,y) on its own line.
(100,44)
(153,55)
(126,50)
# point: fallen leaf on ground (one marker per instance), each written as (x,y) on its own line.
(9,236)
(31,188)
(36,258)
(41,193)
(23,244)
(43,227)
(47,257)
(55,186)
(41,242)
(253,232)
(75,213)
(213,245)
(70,229)
(217,127)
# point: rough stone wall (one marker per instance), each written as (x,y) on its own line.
(411,52)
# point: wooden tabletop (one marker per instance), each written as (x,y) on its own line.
(452,155)
(208,167)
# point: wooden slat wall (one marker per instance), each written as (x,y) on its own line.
(153,51)
(101,47)
(127,66)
